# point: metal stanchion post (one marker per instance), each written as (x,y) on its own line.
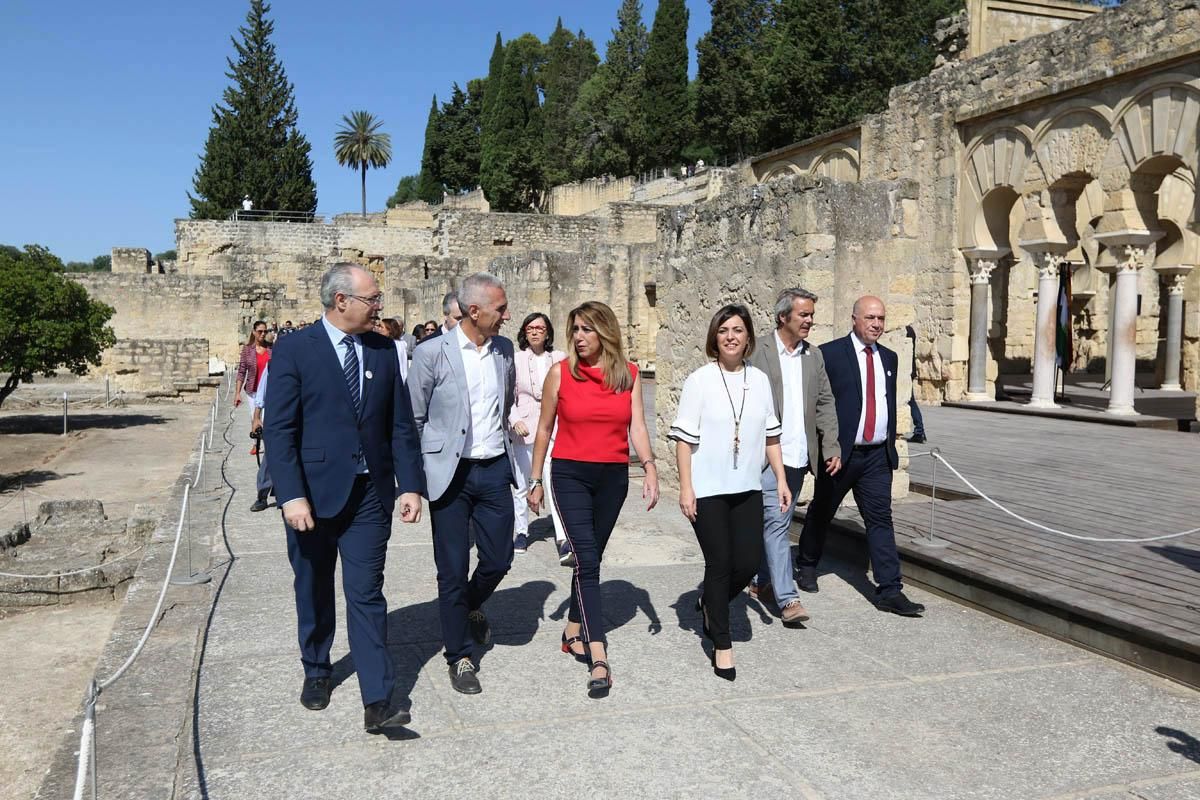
(192,578)
(932,541)
(64,433)
(107,392)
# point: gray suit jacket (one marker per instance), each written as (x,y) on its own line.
(437,384)
(820,412)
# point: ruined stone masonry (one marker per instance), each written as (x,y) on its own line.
(1053,136)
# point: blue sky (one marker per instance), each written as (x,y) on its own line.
(107,105)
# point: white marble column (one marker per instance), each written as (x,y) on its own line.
(981,275)
(1123,329)
(1174,332)
(1045,369)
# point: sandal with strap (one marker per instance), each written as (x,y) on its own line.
(599,687)
(566,648)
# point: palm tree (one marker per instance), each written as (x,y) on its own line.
(359,144)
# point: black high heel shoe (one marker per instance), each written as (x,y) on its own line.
(728,673)
(566,648)
(599,687)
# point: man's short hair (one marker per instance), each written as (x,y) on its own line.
(450,297)
(785,301)
(338,279)
(474,290)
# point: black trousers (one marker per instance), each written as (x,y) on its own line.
(869,476)
(588,497)
(729,528)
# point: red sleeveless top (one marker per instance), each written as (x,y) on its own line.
(593,420)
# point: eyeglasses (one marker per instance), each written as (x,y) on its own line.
(535,328)
(374,300)
(260,330)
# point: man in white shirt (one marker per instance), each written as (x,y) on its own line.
(804,405)
(462,387)
(862,373)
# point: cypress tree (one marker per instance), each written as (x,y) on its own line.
(731,106)
(570,60)
(665,87)
(254,146)
(429,182)
(511,157)
(458,167)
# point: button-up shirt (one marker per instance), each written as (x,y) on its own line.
(881,409)
(794,441)
(336,337)
(485,436)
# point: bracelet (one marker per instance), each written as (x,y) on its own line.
(535,483)
(650,461)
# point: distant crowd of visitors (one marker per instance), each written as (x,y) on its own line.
(361,417)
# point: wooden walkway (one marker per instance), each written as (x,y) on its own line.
(1091,480)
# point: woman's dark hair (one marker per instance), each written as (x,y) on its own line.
(418,332)
(722,316)
(258,322)
(431,322)
(524,343)
(392,327)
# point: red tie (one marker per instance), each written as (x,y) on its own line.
(869,421)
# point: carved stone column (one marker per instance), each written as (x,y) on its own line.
(1175,283)
(1045,366)
(1123,329)
(981,276)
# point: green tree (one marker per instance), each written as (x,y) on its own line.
(47,322)
(166,255)
(664,102)
(570,60)
(731,106)
(461,121)
(359,144)
(254,147)
(510,168)
(429,182)
(406,192)
(98,264)
(607,121)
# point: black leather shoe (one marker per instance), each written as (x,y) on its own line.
(315,694)
(807,580)
(463,678)
(917,438)
(481,632)
(381,715)
(259,505)
(899,604)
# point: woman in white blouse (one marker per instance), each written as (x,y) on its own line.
(532,361)
(725,429)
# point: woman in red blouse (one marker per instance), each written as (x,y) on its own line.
(596,398)
(253,362)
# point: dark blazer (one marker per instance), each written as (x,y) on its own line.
(313,434)
(841,365)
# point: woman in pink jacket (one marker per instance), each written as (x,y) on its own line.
(532,361)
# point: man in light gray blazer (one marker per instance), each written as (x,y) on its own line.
(805,406)
(462,386)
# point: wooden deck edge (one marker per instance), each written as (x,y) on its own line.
(1162,655)
(1094,417)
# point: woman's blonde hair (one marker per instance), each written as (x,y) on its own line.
(617,375)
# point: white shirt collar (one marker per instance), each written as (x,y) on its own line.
(335,333)
(801,347)
(859,344)
(464,343)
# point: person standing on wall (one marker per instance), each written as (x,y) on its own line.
(342,446)
(595,397)
(462,386)
(862,374)
(804,404)
(724,432)
(256,352)
(533,360)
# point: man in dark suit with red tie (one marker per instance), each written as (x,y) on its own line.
(343,445)
(862,374)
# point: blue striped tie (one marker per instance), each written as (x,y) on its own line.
(350,368)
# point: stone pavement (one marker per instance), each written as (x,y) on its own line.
(858,704)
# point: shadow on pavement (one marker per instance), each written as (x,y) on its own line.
(52,423)
(31,478)
(1186,745)
(1180,555)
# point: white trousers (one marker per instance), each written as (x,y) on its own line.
(524,459)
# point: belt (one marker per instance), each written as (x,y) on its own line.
(869,446)
(485,461)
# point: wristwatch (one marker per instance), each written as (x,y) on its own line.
(535,483)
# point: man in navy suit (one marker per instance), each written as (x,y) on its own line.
(862,374)
(343,445)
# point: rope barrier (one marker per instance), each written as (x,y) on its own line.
(937,456)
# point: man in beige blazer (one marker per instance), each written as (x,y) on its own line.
(804,404)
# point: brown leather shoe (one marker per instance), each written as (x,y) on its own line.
(763,594)
(794,612)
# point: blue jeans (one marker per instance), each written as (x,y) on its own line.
(776,566)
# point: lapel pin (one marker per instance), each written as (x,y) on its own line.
(369,375)
(889,372)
